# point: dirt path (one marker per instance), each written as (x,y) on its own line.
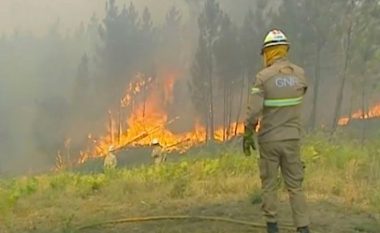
(326,217)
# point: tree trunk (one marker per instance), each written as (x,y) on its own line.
(364,109)
(363,118)
(351,109)
(339,98)
(224,109)
(316,85)
(240,103)
(144,99)
(68,155)
(111,127)
(120,128)
(211,98)
(229,122)
(206,120)
(212,127)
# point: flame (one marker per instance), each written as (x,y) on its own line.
(146,99)
(135,88)
(373,112)
(222,134)
(168,88)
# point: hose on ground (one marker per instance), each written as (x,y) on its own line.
(179,217)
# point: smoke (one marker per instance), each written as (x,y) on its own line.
(60,71)
(36,16)
(65,64)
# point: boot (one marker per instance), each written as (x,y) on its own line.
(303,229)
(272,227)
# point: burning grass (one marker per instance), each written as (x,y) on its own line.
(339,172)
(373,112)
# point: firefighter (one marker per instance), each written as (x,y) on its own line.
(110,161)
(158,154)
(276,98)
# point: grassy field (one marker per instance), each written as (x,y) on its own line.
(342,184)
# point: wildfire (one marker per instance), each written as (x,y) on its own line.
(146,101)
(142,116)
(374,112)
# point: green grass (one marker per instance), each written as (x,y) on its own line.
(341,171)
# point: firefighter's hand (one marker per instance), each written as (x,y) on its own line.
(246,147)
(248,141)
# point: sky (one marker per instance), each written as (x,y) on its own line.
(37,15)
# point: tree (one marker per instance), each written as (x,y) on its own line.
(129,44)
(310,37)
(198,84)
(250,37)
(347,45)
(92,39)
(363,67)
(48,130)
(112,51)
(120,51)
(228,68)
(81,97)
(171,39)
(147,43)
(173,54)
(195,7)
(209,23)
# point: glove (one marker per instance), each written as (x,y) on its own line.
(248,141)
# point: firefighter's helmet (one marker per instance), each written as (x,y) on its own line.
(274,37)
(155,142)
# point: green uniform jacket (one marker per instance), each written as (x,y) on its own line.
(277,95)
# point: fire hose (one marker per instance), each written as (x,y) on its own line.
(180,217)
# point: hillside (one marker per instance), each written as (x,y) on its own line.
(342,185)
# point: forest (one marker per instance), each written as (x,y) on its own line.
(61,86)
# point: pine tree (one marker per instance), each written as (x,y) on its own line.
(228,68)
(209,23)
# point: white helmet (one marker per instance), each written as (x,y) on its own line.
(155,141)
(275,37)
